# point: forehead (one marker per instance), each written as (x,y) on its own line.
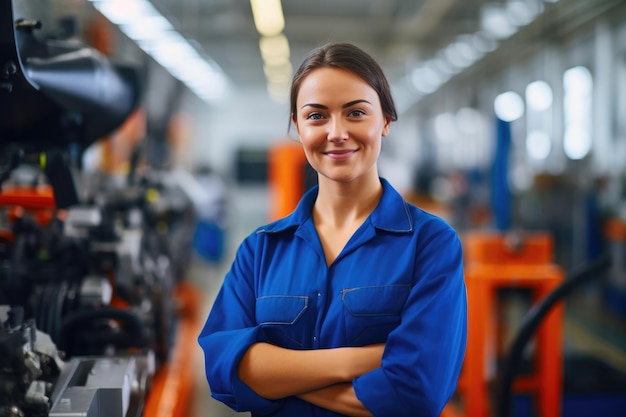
(336,83)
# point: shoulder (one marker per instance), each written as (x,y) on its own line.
(430,228)
(395,213)
(425,218)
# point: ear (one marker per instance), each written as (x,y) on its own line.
(294,120)
(386,125)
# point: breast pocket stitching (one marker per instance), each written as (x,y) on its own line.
(281,309)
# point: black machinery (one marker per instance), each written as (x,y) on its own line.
(86,306)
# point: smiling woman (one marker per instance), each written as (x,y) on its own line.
(354,304)
(340,123)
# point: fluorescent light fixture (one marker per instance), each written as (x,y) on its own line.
(144,28)
(522,12)
(576,144)
(498,22)
(280,73)
(274,49)
(268,16)
(538,145)
(456,56)
(577,106)
(484,42)
(509,106)
(278,92)
(494,20)
(276,65)
(539,95)
(441,63)
(425,79)
(156,36)
(466,47)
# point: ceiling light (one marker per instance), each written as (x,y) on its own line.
(155,35)
(144,28)
(484,42)
(268,16)
(577,107)
(442,63)
(539,95)
(281,73)
(576,144)
(426,79)
(538,145)
(456,57)
(509,106)
(274,49)
(494,20)
(278,92)
(521,12)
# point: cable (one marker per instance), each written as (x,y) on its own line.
(531,322)
(135,334)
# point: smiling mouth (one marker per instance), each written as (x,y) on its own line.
(341,152)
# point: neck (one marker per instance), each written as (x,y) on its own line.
(340,204)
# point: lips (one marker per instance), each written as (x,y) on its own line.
(340,154)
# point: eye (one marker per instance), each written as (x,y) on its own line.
(314,116)
(356,113)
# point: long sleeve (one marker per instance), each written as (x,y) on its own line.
(229,331)
(424,354)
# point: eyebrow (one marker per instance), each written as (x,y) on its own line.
(348,104)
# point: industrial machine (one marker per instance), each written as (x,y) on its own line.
(90,268)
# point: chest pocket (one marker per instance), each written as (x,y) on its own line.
(371,313)
(282,317)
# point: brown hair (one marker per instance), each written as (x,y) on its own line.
(351,58)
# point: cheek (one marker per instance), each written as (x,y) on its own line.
(373,135)
(311,138)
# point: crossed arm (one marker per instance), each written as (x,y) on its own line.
(322,377)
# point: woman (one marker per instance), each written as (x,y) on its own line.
(355,303)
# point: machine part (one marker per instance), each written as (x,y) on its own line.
(95,291)
(56,93)
(102,387)
(28,368)
(50,360)
(80,219)
(531,323)
(79,330)
(36,395)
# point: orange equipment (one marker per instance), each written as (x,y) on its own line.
(493,261)
(172,387)
(286,177)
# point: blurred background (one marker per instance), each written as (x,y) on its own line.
(142,140)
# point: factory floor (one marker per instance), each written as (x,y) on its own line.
(591,330)
(206,277)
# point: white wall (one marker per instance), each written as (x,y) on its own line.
(245,118)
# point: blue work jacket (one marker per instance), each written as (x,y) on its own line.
(398,280)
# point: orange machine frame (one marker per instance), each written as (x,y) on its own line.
(172,386)
(491,263)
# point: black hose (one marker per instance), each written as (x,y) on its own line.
(135,332)
(531,322)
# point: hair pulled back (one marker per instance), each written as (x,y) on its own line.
(351,58)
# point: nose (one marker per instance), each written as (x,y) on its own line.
(337,130)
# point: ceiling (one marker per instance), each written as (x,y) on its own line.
(396,32)
(403,35)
